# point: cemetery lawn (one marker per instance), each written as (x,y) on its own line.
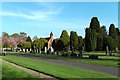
(103,60)
(9,71)
(56,70)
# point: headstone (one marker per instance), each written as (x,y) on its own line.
(23,50)
(107,50)
(40,50)
(27,50)
(52,50)
(45,50)
(36,50)
(20,50)
(116,49)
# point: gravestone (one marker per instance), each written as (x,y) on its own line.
(107,50)
(45,50)
(52,50)
(23,50)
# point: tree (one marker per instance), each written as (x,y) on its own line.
(112,31)
(15,35)
(42,42)
(4,34)
(87,39)
(110,42)
(93,39)
(73,40)
(104,31)
(26,45)
(23,34)
(58,44)
(39,43)
(95,24)
(99,42)
(90,39)
(118,35)
(28,39)
(80,43)
(65,39)
(35,38)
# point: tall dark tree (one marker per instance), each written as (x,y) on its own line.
(104,31)
(99,41)
(93,39)
(90,39)
(95,24)
(58,44)
(112,31)
(118,35)
(87,39)
(30,42)
(73,40)
(65,39)
(80,43)
(28,39)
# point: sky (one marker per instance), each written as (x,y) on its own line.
(40,18)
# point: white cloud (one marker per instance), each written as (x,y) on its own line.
(33,15)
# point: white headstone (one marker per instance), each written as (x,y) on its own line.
(27,50)
(45,49)
(52,50)
(23,50)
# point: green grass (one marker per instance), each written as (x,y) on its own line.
(57,70)
(103,60)
(9,71)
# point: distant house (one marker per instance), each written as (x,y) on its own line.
(48,46)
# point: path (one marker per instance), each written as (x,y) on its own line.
(40,75)
(105,69)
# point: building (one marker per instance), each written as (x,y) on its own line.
(48,46)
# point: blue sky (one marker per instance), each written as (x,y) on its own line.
(39,18)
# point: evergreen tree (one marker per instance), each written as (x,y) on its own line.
(93,39)
(112,31)
(87,39)
(65,39)
(118,35)
(104,31)
(99,42)
(110,42)
(80,43)
(28,39)
(58,44)
(73,40)
(90,39)
(95,24)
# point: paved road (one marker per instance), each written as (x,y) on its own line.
(105,69)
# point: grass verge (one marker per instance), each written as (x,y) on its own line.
(103,60)
(57,70)
(9,71)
